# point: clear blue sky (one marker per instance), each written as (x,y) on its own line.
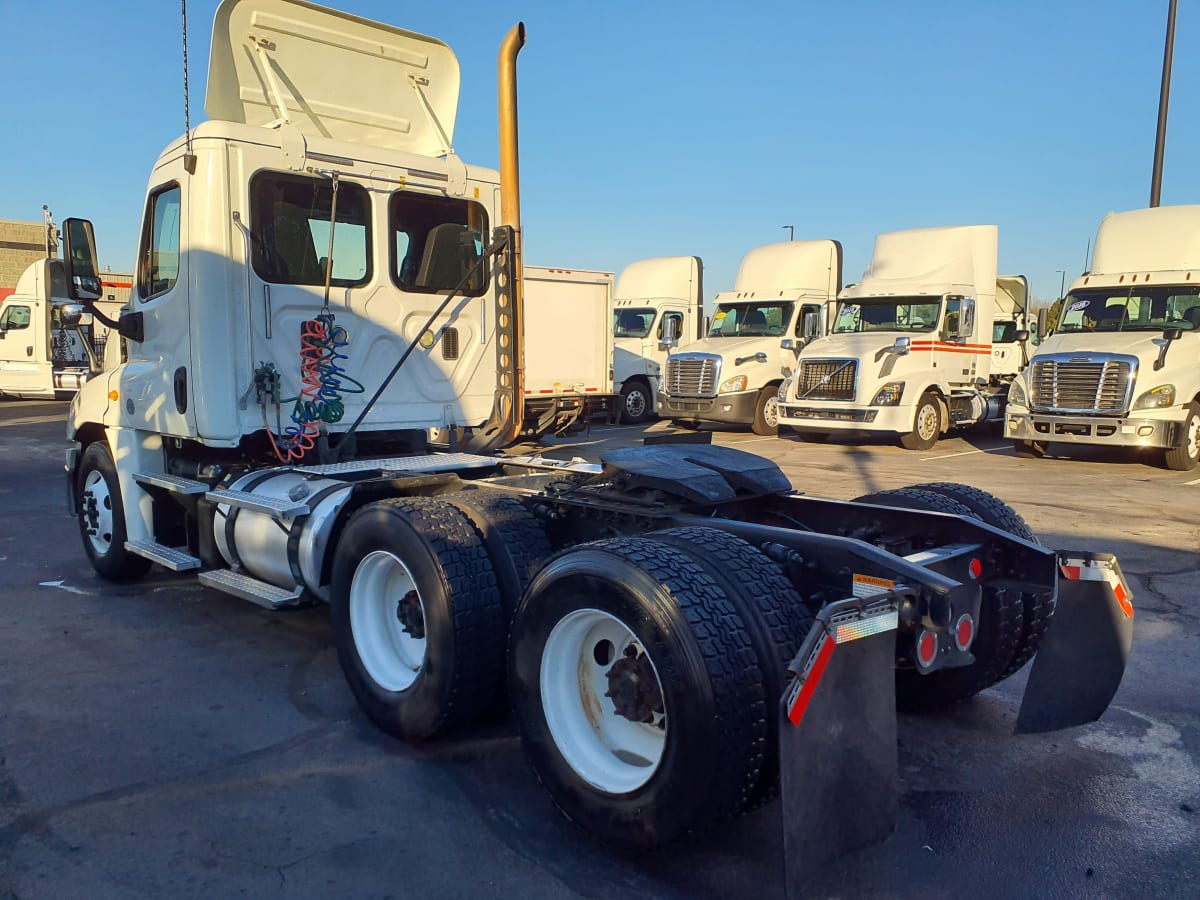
(655,129)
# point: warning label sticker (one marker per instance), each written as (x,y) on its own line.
(869,585)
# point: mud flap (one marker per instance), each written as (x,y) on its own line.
(837,737)
(1081,659)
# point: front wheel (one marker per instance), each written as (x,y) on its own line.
(102,518)
(1184,457)
(1030,449)
(927,424)
(636,403)
(766,412)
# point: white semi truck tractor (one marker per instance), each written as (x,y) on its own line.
(911,349)
(654,299)
(732,375)
(679,633)
(1122,368)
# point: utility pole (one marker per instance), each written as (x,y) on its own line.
(792,228)
(1164,95)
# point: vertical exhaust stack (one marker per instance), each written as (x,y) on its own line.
(511,359)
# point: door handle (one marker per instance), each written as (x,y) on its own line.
(29,351)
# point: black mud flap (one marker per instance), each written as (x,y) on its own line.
(837,737)
(1081,659)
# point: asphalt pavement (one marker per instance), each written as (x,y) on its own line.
(164,740)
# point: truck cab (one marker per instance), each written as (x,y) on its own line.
(780,301)
(655,299)
(47,348)
(910,351)
(1122,368)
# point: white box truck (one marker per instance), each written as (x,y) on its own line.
(654,298)
(782,290)
(1122,368)
(911,349)
(568,345)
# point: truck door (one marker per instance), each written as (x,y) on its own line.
(156,386)
(24,357)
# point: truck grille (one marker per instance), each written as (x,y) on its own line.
(826,379)
(692,376)
(1081,385)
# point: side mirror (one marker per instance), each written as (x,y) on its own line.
(669,336)
(790,344)
(72,315)
(810,324)
(902,346)
(1022,335)
(79,248)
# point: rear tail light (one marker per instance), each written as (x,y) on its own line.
(927,649)
(964,632)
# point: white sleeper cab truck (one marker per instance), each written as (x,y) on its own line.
(911,348)
(782,292)
(568,346)
(1011,320)
(305,255)
(1122,368)
(48,346)
(655,299)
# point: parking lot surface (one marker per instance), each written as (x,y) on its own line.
(164,740)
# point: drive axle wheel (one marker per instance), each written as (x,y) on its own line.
(637,691)
(417,618)
(102,518)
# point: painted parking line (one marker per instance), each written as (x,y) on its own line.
(966,453)
(1193,481)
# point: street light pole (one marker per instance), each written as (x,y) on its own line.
(792,228)
(1062,282)
(1164,95)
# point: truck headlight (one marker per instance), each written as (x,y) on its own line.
(1156,398)
(889,394)
(785,389)
(1016,393)
(733,385)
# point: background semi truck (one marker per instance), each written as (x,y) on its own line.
(911,349)
(654,298)
(663,621)
(42,353)
(782,290)
(1122,368)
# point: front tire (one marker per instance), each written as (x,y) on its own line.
(101,518)
(417,618)
(927,424)
(637,692)
(1030,449)
(766,412)
(1184,457)
(636,403)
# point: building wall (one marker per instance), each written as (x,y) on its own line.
(20,244)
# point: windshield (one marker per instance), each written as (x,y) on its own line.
(762,319)
(888,314)
(1135,308)
(633,323)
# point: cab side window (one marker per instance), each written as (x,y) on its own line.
(675,317)
(15,318)
(158,263)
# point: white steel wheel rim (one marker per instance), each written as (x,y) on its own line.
(771,412)
(927,421)
(1192,439)
(391,655)
(96,495)
(610,752)
(635,402)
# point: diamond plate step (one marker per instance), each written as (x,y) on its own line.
(167,557)
(176,483)
(270,506)
(265,595)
